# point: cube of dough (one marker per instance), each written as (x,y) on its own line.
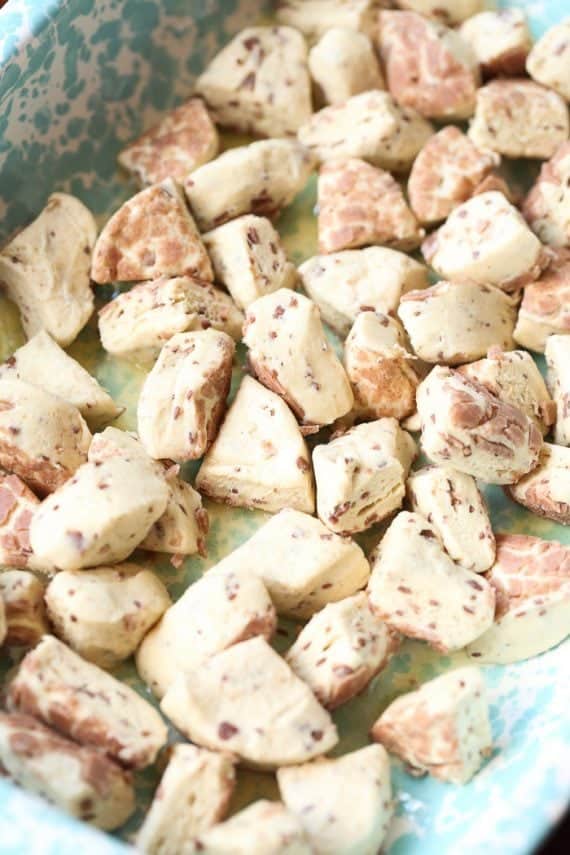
(102,514)
(246,700)
(519,118)
(77,779)
(344,805)
(193,794)
(249,259)
(43,439)
(361,475)
(446,172)
(45,269)
(549,60)
(17,506)
(343,63)
(259,458)
(557,354)
(545,490)
(452,504)
(515,379)
(344,284)
(417,589)
(51,685)
(289,353)
(327,568)
(443,728)
(532,582)
(260,178)
(359,205)
(183,399)
(184,139)
(500,41)
(380,368)
(545,306)
(104,614)
(152,234)
(315,17)
(468,428)
(340,650)
(137,323)
(429,68)
(262,828)
(547,206)
(222,608)
(447,11)
(23,597)
(456,322)
(42,362)
(370,126)
(486,240)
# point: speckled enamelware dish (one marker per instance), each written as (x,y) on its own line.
(78,79)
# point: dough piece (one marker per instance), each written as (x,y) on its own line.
(429,68)
(43,439)
(23,597)
(344,284)
(417,589)
(468,428)
(246,700)
(327,568)
(259,458)
(77,779)
(549,60)
(42,362)
(262,828)
(380,368)
(260,178)
(45,269)
(545,307)
(545,491)
(446,172)
(104,614)
(446,11)
(487,240)
(183,140)
(557,354)
(531,578)
(455,322)
(515,379)
(547,206)
(220,609)
(183,399)
(500,41)
(359,205)
(249,259)
(519,118)
(343,63)
(151,235)
(193,794)
(137,323)
(259,82)
(51,685)
(341,649)
(289,353)
(315,17)
(443,728)
(17,506)
(452,504)
(102,514)
(361,475)
(370,126)
(344,805)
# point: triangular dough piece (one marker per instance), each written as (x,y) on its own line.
(151,235)
(259,459)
